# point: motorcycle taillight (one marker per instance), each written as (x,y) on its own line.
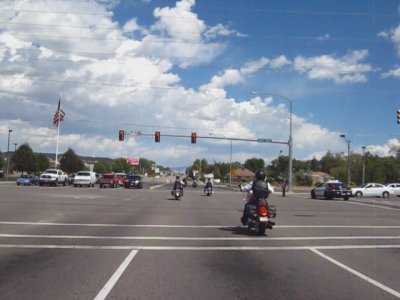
(262,211)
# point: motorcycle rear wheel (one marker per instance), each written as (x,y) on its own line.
(261,229)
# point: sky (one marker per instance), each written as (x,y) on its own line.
(223,68)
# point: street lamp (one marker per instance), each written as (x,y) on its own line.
(8,153)
(348,141)
(15,147)
(290,141)
(230,158)
(363,164)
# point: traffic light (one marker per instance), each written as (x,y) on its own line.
(194,136)
(157,136)
(398,116)
(121,135)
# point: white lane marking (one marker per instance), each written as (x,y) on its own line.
(177,238)
(355,272)
(194,226)
(371,205)
(114,278)
(206,248)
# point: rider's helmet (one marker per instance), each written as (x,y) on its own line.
(260,175)
(177,177)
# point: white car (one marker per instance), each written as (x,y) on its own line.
(84,178)
(395,187)
(372,190)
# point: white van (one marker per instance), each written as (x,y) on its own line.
(84,178)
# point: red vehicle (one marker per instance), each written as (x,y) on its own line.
(108,179)
(121,178)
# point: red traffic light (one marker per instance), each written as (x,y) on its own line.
(121,135)
(157,136)
(194,137)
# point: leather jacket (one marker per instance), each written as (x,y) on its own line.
(260,190)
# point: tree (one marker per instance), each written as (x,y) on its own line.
(254,164)
(121,165)
(70,162)
(102,167)
(43,162)
(24,159)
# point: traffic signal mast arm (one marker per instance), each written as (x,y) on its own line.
(270,141)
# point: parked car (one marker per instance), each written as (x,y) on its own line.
(134,181)
(330,190)
(84,178)
(53,177)
(395,187)
(109,179)
(71,179)
(28,179)
(98,176)
(372,190)
(121,178)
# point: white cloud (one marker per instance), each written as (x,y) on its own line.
(324,37)
(346,69)
(392,73)
(394,36)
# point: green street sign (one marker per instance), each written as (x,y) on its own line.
(264,140)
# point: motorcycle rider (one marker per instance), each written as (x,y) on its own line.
(208,185)
(260,190)
(178,184)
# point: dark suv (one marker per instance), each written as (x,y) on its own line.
(134,181)
(329,190)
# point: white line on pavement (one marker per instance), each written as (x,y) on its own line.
(194,226)
(114,278)
(177,238)
(362,276)
(371,205)
(206,248)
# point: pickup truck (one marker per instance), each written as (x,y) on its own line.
(53,177)
(331,189)
(109,179)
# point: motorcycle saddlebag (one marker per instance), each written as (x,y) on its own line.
(272,211)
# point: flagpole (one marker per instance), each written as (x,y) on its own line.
(58,130)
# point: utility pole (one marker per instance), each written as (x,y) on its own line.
(363,164)
(8,153)
(348,141)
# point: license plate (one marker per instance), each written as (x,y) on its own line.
(263,219)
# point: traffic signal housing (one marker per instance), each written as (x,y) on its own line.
(398,116)
(121,135)
(194,137)
(157,136)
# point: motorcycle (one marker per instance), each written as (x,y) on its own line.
(194,184)
(259,217)
(177,193)
(208,191)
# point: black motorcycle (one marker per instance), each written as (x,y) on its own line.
(259,217)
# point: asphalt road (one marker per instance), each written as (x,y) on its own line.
(92,243)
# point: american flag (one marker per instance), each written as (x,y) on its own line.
(59,115)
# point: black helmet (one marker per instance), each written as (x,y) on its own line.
(177,177)
(260,175)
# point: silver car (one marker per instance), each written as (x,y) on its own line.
(372,190)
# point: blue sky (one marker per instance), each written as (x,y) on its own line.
(183,66)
